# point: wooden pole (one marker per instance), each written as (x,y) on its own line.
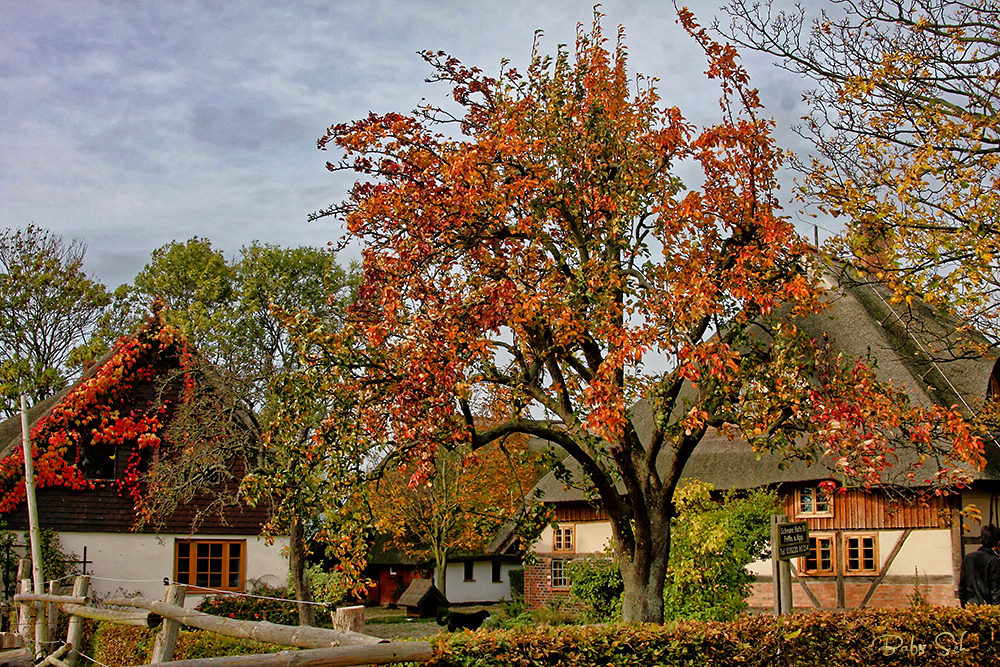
(55,657)
(41,629)
(74,635)
(51,599)
(166,638)
(340,656)
(303,636)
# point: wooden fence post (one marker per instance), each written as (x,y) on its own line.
(24,609)
(23,572)
(52,613)
(166,638)
(74,636)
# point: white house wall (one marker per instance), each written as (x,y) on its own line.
(136,564)
(481,588)
(590,537)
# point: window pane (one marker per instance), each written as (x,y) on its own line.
(234,550)
(868,552)
(215,580)
(183,549)
(806,500)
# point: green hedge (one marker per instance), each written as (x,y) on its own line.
(116,645)
(933,636)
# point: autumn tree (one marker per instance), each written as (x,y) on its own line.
(458,504)
(904,120)
(534,256)
(48,310)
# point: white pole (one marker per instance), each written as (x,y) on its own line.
(36,542)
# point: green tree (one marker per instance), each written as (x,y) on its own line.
(905,126)
(230,310)
(48,311)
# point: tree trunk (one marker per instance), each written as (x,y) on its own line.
(642,601)
(644,570)
(297,573)
(441,573)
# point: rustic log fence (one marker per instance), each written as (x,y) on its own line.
(318,647)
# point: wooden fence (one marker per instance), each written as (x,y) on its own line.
(319,647)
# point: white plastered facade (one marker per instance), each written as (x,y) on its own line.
(136,564)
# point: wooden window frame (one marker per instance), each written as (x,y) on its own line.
(817,572)
(561,581)
(191,574)
(561,535)
(847,554)
(815,493)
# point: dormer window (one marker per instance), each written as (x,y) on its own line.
(814,501)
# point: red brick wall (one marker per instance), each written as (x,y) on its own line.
(890,593)
(538,589)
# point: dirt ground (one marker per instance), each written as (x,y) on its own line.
(393,623)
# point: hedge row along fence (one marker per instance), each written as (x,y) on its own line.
(932,636)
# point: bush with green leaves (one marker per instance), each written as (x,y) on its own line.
(270,606)
(597,582)
(711,545)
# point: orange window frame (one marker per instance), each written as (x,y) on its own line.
(856,554)
(821,560)
(808,500)
(210,564)
(564,539)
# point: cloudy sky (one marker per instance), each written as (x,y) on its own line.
(130,124)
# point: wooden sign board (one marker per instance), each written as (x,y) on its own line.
(793,540)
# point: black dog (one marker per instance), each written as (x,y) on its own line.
(458,620)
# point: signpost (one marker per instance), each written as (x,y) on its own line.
(788,540)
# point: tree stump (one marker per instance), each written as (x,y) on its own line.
(349,618)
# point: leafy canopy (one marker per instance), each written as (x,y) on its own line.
(48,310)
(904,120)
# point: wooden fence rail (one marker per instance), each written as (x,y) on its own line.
(302,636)
(340,656)
(324,648)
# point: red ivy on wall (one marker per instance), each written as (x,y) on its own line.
(103,407)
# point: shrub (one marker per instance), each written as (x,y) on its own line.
(255,609)
(115,645)
(711,545)
(937,636)
(597,583)
(516,579)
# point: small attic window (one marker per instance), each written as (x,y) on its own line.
(98,462)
